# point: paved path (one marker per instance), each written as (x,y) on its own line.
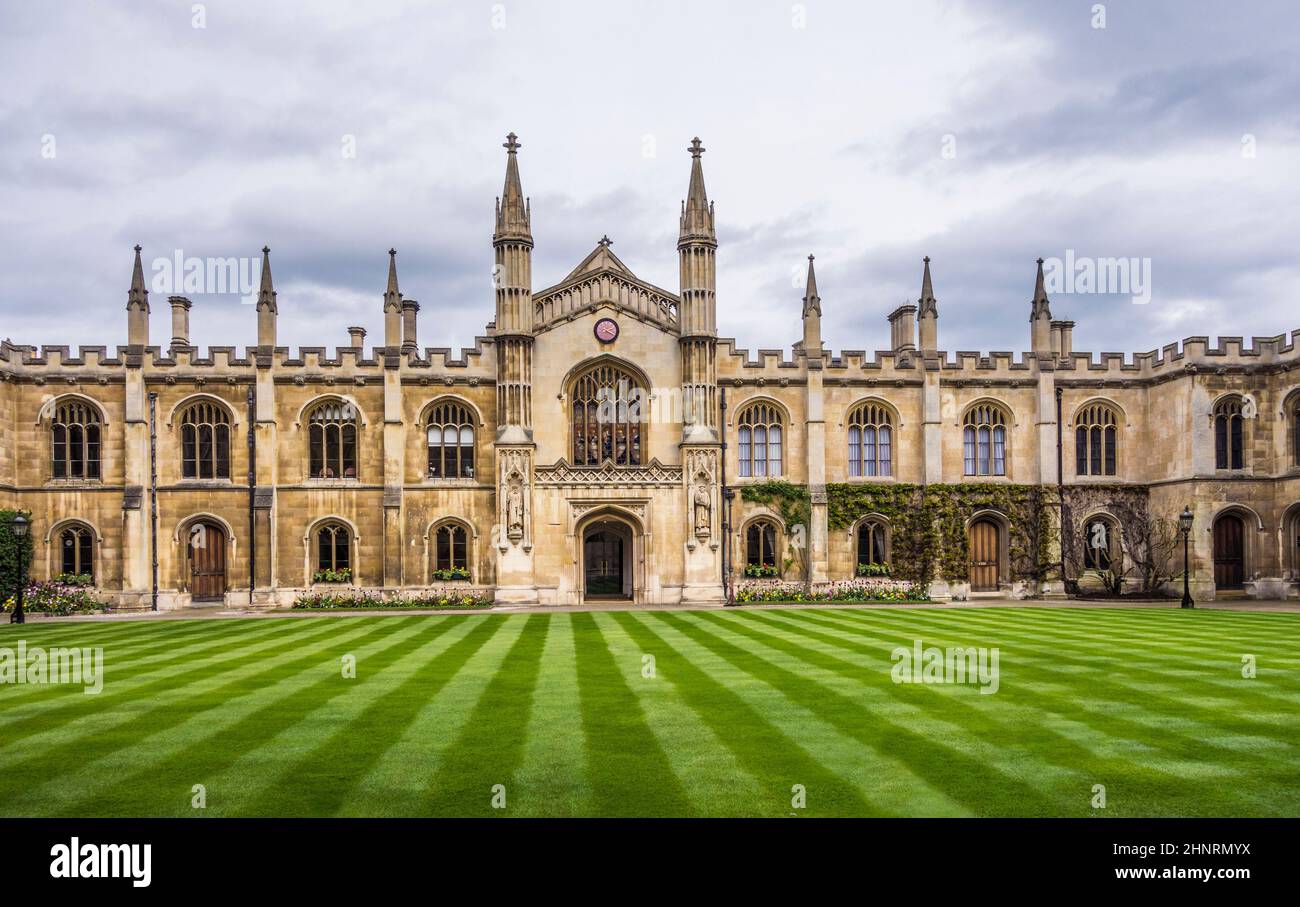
(1241,604)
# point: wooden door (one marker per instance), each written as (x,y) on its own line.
(984,556)
(207,554)
(1229,553)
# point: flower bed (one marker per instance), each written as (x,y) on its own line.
(857,590)
(57,599)
(449,599)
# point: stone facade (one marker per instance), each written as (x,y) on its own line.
(537,509)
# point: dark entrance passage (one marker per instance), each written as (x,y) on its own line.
(1229,553)
(605,560)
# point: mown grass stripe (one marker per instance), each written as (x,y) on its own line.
(1164,767)
(1232,689)
(629,772)
(1158,779)
(16,702)
(104,728)
(318,784)
(162,785)
(965,779)
(553,778)
(490,747)
(709,774)
(761,749)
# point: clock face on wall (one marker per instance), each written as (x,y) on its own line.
(606,330)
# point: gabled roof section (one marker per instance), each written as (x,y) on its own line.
(602,258)
(603,279)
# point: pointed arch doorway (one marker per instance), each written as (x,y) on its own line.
(607,561)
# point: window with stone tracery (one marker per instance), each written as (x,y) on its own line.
(608,419)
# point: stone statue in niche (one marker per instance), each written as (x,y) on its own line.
(515,510)
(702,501)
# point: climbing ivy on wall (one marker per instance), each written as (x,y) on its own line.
(928,535)
(791,501)
(928,524)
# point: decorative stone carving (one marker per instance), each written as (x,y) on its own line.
(702,501)
(652,474)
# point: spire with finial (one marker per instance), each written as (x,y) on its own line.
(266,295)
(1041,304)
(392,306)
(811,301)
(138,295)
(513,212)
(697,210)
(927,305)
(137,306)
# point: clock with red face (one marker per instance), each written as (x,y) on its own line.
(606,330)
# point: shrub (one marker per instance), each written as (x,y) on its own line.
(366,601)
(56,599)
(332,576)
(451,573)
(849,591)
(760,570)
(75,579)
(873,569)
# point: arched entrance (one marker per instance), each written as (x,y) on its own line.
(985,555)
(607,560)
(1229,552)
(205,547)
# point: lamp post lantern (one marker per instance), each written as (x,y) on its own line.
(1185,527)
(20,525)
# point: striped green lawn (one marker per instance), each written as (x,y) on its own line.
(742,706)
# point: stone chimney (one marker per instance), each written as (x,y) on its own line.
(902,328)
(180,321)
(409,310)
(1063,338)
(358,336)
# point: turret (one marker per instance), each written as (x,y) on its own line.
(512,241)
(697,245)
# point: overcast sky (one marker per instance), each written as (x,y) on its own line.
(983,134)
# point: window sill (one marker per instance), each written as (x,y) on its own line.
(459,482)
(992,480)
(871,480)
(74,483)
(348,480)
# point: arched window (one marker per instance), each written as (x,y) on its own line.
(205,441)
(760,440)
(985,441)
(332,434)
(451,442)
(608,417)
(873,558)
(1095,440)
(333,554)
(1229,448)
(75,440)
(1098,544)
(760,549)
(450,552)
(77,551)
(871,441)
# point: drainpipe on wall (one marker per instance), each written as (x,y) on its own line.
(153,494)
(726,504)
(1060,482)
(252,485)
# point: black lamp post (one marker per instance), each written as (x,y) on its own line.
(20,525)
(1185,527)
